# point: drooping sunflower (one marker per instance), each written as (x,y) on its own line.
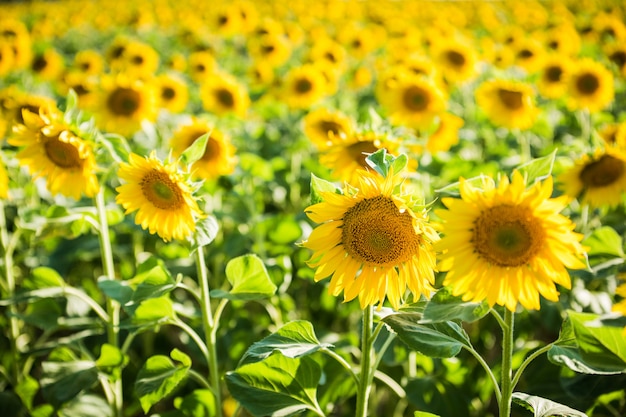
(219,155)
(507,103)
(160,195)
(51,149)
(173,92)
(590,86)
(222,93)
(597,179)
(303,86)
(371,242)
(322,125)
(124,103)
(507,244)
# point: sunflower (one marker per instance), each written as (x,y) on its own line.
(455,59)
(15,34)
(223,93)
(529,54)
(48,64)
(553,75)
(219,155)
(160,195)
(413,101)
(304,86)
(124,103)
(6,59)
(597,179)
(614,134)
(328,50)
(617,55)
(371,242)
(85,86)
(273,49)
(51,149)
(562,39)
(322,125)
(173,93)
(446,135)
(507,103)
(201,66)
(346,155)
(4,181)
(139,60)
(507,244)
(590,86)
(88,61)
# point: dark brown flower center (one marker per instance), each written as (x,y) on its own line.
(225,97)
(602,172)
(359,151)
(587,84)
(303,85)
(124,102)
(416,98)
(62,154)
(512,100)
(455,58)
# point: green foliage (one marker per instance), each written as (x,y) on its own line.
(545,408)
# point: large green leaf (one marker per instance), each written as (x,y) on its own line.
(293,340)
(278,386)
(443,306)
(159,376)
(604,241)
(248,278)
(62,381)
(542,407)
(154,310)
(43,277)
(538,168)
(437,340)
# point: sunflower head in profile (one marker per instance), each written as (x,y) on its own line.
(507,244)
(124,102)
(223,94)
(597,179)
(219,155)
(160,196)
(323,125)
(54,150)
(590,86)
(507,103)
(372,242)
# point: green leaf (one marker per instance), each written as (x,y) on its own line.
(116,290)
(277,386)
(538,169)
(26,390)
(437,340)
(378,161)
(604,241)
(71,100)
(111,360)
(199,403)
(153,281)
(206,232)
(542,407)
(159,376)
(154,310)
(117,146)
(249,279)
(87,405)
(424,414)
(318,186)
(62,381)
(196,150)
(443,306)
(454,188)
(43,277)
(294,339)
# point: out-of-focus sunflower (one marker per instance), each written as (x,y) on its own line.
(48,64)
(347,154)
(177,61)
(614,134)
(248,15)
(446,135)
(303,86)
(225,20)
(201,66)
(124,103)
(14,101)
(85,86)
(413,101)
(15,34)
(219,156)
(328,50)
(563,40)
(139,60)
(371,242)
(590,86)
(6,59)
(260,76)
(223,94)
(597,179)
(507,103)
(273,49)
(114,52)
(360,77)
(173,92)
(616,52)
(456,59)
(161,196)
(51,149)
(553,76)
(360,41)
(322,125)
(4,181)
(507,244)
(88,61)
(529,54)
(609,27)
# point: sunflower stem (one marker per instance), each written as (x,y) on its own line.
(7,253)
(210,329)
(113,308)
(366,361)
(506,386)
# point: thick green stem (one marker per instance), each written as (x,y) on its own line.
(14,326)
(113,307)
(365,379)
(506,385)
(210,329)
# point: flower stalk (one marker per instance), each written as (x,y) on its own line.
(506,385)
(365,379)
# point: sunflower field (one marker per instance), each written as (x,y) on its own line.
(331,208)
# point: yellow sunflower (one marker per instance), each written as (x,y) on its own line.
(620,307)
(223,93)
(371,242)
(160,195)
(507,244)
(617,55)
(51,149)
(48,64)
(85,86)
(507,103)
(219,155)
(201,66)
(590,86)
(272,49)
(614,134)
(447,133)
(4,181)
(553,75)
(139,60)
(88,61)
(456,60)
(304,86)
(173,93)
(322,125)
(124,103)
(6,59)
(598,179)
(529,54)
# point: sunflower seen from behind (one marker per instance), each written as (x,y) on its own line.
(372,242)
(160,195)
(507,244)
